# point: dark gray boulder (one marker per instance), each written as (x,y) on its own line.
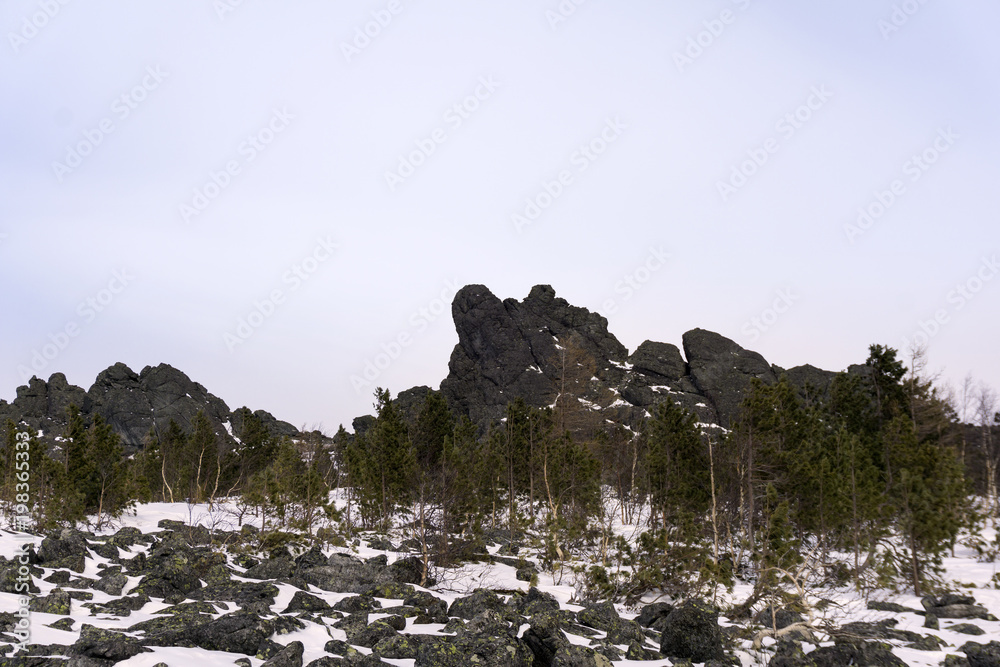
(111,583)
(692,631)
(290,656)
(470,606)
(982,655)
(781,618)
(653,615)
(855,653)
(544,637)
(604,616)
(479,650)
(106,645)
(56,602)
(303,601)
(68,549)
(579,656)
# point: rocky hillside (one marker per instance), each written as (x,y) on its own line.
(130,402)
(177,593)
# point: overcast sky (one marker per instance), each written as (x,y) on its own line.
(268,195)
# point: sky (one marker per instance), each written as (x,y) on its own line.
(281,199)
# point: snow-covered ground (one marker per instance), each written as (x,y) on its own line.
(965,573)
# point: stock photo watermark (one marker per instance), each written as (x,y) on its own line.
(121,108)
(767,318)
(913,170)
(957,298)
(248,151)
(899,17)
(33,24)
(581,159)
(703,40)
(224,8)
(562,12)
(22,522)
(786,127)
(456,116)
(87,311)
(633,281)
(292,280)
(391,350)
(364,34)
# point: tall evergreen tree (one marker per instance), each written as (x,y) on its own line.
(109,486)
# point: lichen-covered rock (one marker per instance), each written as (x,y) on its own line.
(544,637)
(432,605)
(652,615)
(119,606)
(409,570)
(303,601)
(128,536)
(472,605)
(112,583)
(290,656)
(534,602)
(272,568)
(488,623)
(604,616)
(878,605)
(341,574)
(636,651)
(372,634)
(479,650)
(692,631)
(106,645)
(780,618)
(68,550)
(245,594)
(397,646)
(874,654)
(393,590)
(170,571)
(56,602)
(238,632)
(982,655)
(579,656)
(14,581)
(106,550)
(356,603)
(884,629)
(343,649)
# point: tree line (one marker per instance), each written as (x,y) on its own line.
(883,467)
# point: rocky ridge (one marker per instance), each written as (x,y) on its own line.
(510,348)
(132,403)
(532,348)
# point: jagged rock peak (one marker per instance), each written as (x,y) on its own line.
(510,348)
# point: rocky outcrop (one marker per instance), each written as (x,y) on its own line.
(530,348)
(132,403)
(509,348)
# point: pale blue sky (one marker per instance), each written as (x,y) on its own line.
(309,129)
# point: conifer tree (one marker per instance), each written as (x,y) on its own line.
(109,485)
(677,464)
(382,464)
